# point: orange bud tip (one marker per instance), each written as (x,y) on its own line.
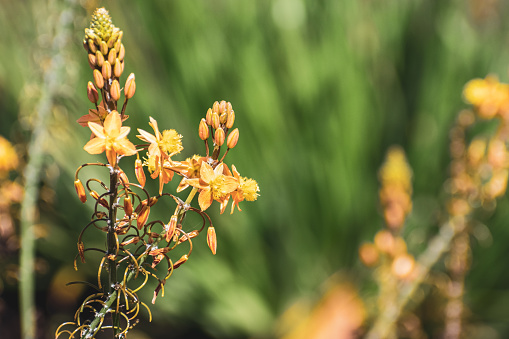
(130,86)
(80,190)
(203,130)
(211,239)
(98,79)
(219,137)
(115,90)
(233,138)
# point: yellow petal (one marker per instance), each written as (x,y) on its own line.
(112,124)
(153,123)
(205,199)
(146,136)
(97,129)
(95,146)
(124,131)
(125,147)
(112,156)
(206,173)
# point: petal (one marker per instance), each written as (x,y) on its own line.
(206,172)
(219,169)
(112,156)
(196,183)
(153,123)
(95,146)
(112,124)
(229,184)
(125,147)
(236,174)
(205,199)
(97,129)
(146,136)
(124,131)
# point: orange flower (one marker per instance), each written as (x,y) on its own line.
(247,190)
(159,168)
(110,138)
(488,95)
(214,185)
(165,144)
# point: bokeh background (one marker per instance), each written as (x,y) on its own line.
(321,89)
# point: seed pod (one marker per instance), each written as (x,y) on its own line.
(233,138)
(230,120)
(140,174)
(203,130)
(104,48)
(99,59)
(112,55)
(215,120)
(92,93)
(80,190)
(106,70)
(121,51)
(130,86)
(172,225)
(98,79)
(117,69)
(219,137)
(211,239)
(115,90)
(92,60)
(143,216)
(208,117)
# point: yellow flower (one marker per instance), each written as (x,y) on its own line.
(247,190)
(488,95)
(8,157)
(165,144)
(111,138)
(213,185)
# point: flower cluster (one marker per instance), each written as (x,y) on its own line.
(137,245)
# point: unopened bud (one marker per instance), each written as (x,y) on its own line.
(208,117)
(96,196)
(113,39)
(140,174)
(230,120)
(115,90)
(211,239)
(117,69)
(215,120)
(130,86)
(233,138)
(223,117)
(92,93)
(188,236)
(92,60)
(104,48)
(106,70)
(91,46)
(99,59)
(203,130)
(215,107)
(172,226)
(142,217)
(121,52)
(98,79)
(219,137)
(128,206)
(112,55)
(80,190)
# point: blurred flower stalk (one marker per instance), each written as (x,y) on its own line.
(138,248)
(479,172)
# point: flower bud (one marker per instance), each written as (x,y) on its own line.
(96,196)
(80,190)
(130,86)
(215,107)
(208,117)
(223,117)
(92,93)
(203,130)
(113,39)
(115,90)
(98,79)
(211,239)
(92,60)
(99,59)
(215,120)
(121,52)
(128,206)
(230,120)
(143,216)
(117,69)
(106,70)
(233,138)
(219,137)
(103,47)
(140,174)
(91,46)
(112,55)
(172,225)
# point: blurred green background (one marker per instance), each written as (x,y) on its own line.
(321,89)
